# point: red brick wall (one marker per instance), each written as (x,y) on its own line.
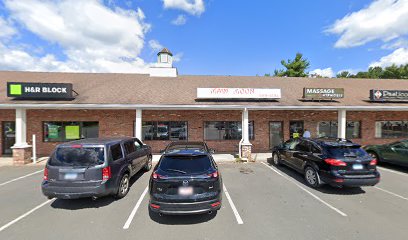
(112,123)
(195,121)
(5,115)
(120,123)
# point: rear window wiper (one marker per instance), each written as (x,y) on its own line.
(175,170)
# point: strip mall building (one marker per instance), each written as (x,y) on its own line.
(228,112)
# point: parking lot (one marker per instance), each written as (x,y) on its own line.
(260,201)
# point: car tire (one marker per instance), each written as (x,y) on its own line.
(124,186)
(374,155)
(149,163)
(312,177)
(276,159)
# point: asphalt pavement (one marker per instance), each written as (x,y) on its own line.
(260,201)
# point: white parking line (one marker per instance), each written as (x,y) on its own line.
(132,214)
(24,215)
(234,209)
(307,191)
(15,179)
(392,171)
(394,194)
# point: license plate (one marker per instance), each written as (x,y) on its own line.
(185,191)
(70,176)
(357,166)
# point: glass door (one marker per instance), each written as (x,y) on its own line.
(275,134)
(8,137)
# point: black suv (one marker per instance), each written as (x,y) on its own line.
(337,162)
(184,145)
(185,181)
(94,167)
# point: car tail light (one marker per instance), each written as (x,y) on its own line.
(154,206)
(339,180)
(45,174)
(215,204)
(373,162)
(213,175)
(335,162)
(106,173)
(155,175)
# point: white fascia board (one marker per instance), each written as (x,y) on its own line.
(197,107)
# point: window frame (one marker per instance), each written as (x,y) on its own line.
(229,122)
(64,124)
(155,123)
(121,150)
(335,121)
(390,137)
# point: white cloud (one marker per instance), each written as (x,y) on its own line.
(398,57)
(6,30)
(177,57)
(193,7)
(155,45)
(93,37)
(327,72)
(180,20)
(381,20)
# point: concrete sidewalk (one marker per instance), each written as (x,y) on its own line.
(222,157)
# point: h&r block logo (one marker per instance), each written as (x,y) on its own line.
(15,89)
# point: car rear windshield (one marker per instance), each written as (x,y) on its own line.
(82,156)
(185,164)
(346,151)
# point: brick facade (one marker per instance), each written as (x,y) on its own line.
(121,123)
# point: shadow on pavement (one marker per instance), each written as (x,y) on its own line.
(324,188)
(181,219)
(83,203)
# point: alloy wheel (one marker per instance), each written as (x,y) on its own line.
(124,186)
(311,177)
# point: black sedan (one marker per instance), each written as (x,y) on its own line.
(337,162)
(185,182)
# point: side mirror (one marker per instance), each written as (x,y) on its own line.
(161,151)
(212,150)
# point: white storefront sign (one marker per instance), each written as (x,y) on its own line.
(238,93)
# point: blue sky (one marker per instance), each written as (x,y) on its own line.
(208,37)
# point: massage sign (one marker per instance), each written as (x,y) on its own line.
(323,93)
(38,91)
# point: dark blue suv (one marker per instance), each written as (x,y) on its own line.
(337,162)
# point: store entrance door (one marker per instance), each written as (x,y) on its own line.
(8,137)
(275,134)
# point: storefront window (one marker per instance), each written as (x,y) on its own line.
(329,129)
(223,130)
(391,129)
(68,131)
(164,131)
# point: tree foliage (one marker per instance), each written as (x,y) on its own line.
(391,72)
(294,68)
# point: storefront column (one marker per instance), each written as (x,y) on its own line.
(246,146)
(342,123)
(21,150)
(138,124)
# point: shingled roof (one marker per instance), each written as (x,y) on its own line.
(112,88)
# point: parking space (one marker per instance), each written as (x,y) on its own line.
(270,203)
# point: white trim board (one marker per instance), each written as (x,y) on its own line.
(197,107)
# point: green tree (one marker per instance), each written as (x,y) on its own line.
(343,74)
(294,68)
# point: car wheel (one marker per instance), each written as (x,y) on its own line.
(374,155)
(123,186)
(149,163)
(312,177)
(276,159)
